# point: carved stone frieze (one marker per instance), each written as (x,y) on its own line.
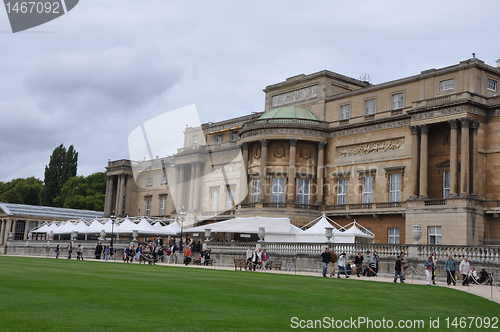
(228,168)
(435,113)
(370,128)
(371,147)
(295,96)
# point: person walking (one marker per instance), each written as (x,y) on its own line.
(450,268)
(359,263)
(70,250)
(404,264)
(464,270)
(428,264)
(58,251)
(79,252)
(98,251)
(106,251)
(434,267)
(187,256)
(325,260)
(397,271)
(331,265)
(342,265)
(264,258)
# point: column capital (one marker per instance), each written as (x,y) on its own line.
(293,141)
(474,124)
(321,145)
(263,142)
(424,129)
(245,146)
(465,122)
(453,123)
(414,130)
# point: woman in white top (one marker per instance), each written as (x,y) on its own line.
(464,270)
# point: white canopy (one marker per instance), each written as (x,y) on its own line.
(249,226)
(127,227)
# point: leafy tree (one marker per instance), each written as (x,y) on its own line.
(21,191)
(62,166)
(87,193)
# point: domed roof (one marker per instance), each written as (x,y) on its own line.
(289,112)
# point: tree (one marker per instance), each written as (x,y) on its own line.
(21,191)
(87,193)
(62,166)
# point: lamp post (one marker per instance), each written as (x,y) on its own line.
(113,219)
(182,214)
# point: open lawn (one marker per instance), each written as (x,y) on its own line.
(39,294)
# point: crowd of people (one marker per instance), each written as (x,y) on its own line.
(368,264)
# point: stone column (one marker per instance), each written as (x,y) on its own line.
(197,189)
(464,157)
(475,157)
(320,172)
(453,157)
(263,165)
(180,190)
(121,190)
(3,224)
(290,194)
(424,151)
(118,195)
(109,196)
(192,186)
(414,162)
(245,147)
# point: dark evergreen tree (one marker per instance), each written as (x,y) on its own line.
(62,166)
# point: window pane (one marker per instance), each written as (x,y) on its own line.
(446,184)
(446,85)
(278,190)
(345,112)
(341,191)
(215,197)
(303,191)
(395,187)
(370,107)
(397,101)
(367,189)
(256,190)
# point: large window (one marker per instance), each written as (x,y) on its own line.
(19,230)
(398,101)
(345,112)
(148,206)
(446,85)
(303,192)
(234,135)
(230,199)
(367,194)
(446,184)
(218,138)
(214,198)
(278,190)
(342,191)
(255,190)
(435,235)
(370,107)
(163,205)
(395,187)
(492,85)
(393,235)
(150,181)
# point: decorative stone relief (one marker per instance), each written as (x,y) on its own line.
(448,111)
(279,151)
(305,152)
(370,128)
(228,168)
(371,147)
(295,96)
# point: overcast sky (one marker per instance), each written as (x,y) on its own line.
(92,76)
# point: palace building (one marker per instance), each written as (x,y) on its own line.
(421,150)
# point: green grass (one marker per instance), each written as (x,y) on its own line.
(38,294)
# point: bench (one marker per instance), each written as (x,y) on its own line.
(240,263)
(274,265)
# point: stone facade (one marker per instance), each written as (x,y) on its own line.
(419,150)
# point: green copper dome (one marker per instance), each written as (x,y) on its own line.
(289,112)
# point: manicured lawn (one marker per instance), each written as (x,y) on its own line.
(39,294)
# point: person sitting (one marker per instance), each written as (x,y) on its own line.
(484,277)
(472,276)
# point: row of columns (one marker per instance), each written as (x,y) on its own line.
(115,194)
(290,194)
(419,161)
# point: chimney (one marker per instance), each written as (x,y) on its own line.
(498,63)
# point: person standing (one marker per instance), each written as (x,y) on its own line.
(70,250)
(107,251)
(331,265)
(342,265)
(404,264)
(375,263)
(255,258)
(187,256)
(450,268)
(98,251)
(58,251)
(325,260)
(434,267)
(79,252)
(359,263)
(464,270)
(428,264)
(249,255)
(368,262)
(264,258)
(397,271)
